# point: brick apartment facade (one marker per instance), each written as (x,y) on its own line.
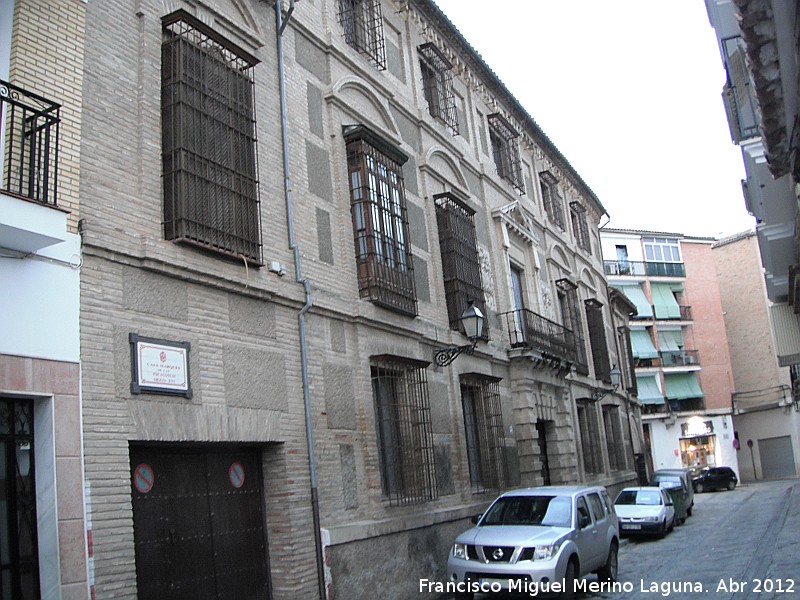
(766,418)
(680,345)
(257,344)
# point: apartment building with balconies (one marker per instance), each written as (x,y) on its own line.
(43,532)
(678,343)
(278,261)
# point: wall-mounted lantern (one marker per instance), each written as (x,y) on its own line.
(472,319)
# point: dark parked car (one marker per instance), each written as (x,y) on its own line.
(714,478)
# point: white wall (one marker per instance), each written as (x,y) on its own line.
(776,422)
(665,444)
(40,302)
(609,242)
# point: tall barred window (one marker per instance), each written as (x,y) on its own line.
(437,85)
(597,340)
(580,227)
(483,428)
(614,439)
(590,437)
(380,221)
(362,22)
(553,204)
(460,265)
(210,183)
(505,151)
(571,318)
(403,427)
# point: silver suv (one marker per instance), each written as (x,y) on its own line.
(531,540)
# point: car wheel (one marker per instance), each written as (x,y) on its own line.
(608,572)
(663,529)
(568,593)
(699,489)
(689,511)
(672,523)
(731,485)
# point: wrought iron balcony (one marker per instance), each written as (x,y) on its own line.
(637,268)
(680,358)
(29,144)
(526,329)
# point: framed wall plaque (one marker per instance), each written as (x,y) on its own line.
(159,366)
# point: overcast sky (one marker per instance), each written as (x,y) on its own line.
(630,92)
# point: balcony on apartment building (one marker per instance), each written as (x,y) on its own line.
(634,268)
(680,358)
(554,343)
(29,144)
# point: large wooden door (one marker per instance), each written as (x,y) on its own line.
(198,524)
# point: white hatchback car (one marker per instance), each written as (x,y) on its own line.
(645,510)
(537,538)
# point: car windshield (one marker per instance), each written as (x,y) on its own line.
(640,497)
(553,511)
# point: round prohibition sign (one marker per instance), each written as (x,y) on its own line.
(236,475)
(143,478)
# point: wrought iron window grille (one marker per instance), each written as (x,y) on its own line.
(403,428)
(553,204)
(614,440)
(580,226)
(597,340)
(437,85)
(460,264)
(380,222)
(484,433)
(210,174)
(505,151)
(362,22)
(568,295)
(590,437)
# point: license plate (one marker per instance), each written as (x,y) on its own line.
(488,581)
(631,526)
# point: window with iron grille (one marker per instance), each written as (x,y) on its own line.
(483,427)
(403,427)
(597,340)
(553,205)
(362,22)
(211,196)
(571,317)
(437,85)
(19,558)
(380,222)
(505,151)
(627,365)
(614,439)
(590,437)
(460,265)
(579,226)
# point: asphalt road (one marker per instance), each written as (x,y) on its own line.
(740,544)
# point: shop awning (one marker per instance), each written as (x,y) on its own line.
(670,341)
(642,344)
(680,386)
(786,330)
(648,390)
(635,294)
(664,301)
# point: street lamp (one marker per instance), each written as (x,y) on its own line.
(472,319)
(600,393)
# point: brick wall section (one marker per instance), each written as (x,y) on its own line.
(47,59)
(744,302)
(707,333)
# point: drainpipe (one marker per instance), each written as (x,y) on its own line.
(301,317)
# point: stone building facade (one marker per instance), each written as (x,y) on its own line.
(285,214)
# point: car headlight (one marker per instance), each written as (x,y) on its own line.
(546,552)
(652,519)
(460,551)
